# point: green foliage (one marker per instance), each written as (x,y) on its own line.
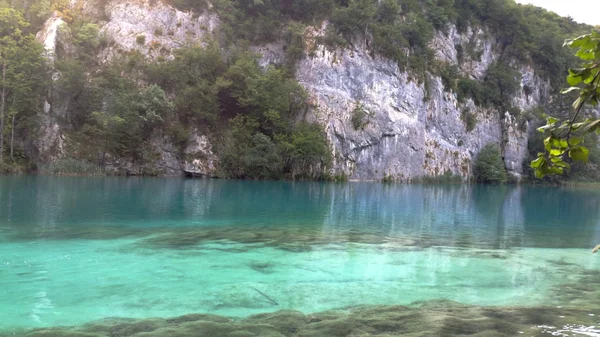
(447,178)
(238,157)
(566,139)
(195,77)
(500,84)
(402,39)
(449,74)
(197,5)
(262,141)
(262,160)
(295,46)
(469,119)
(114,112)
(251,154)
(86,38)
(305,152)
(269,96)
(360,116)
(468,88)
(401,30)
(11,168)
(71,167)
(23,80)
(125,119)
(489,167)
(354,20)
(342,177)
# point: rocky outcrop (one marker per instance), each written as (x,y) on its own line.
(409,129)
(152,27)
(199,157)
(50,142)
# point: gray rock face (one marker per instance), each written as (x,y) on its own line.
(409,131)
(152,27)
(199,156)
(50,143)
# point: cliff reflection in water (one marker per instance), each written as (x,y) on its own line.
(461,215)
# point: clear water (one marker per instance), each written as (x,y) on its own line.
(76,250)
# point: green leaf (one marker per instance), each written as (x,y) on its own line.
(585,55)
(558,143)
(588,76)
(576,126)
(573,141)
(538,162)
(539,174)
(548,144)
(579,154)
(573,81)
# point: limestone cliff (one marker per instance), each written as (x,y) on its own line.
(411,129)
(408,134)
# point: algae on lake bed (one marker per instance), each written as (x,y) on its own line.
(425,319)
(443,318)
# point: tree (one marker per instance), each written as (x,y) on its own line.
(262,160)
(500,84)
(237,143)
(489,167)
(305,152)
(23,73)
(566,139)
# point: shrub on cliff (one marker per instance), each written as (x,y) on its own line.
(489,166)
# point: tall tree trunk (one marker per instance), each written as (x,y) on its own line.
(2,101)
(12,138)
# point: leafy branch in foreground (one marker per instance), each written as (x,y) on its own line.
(566,138)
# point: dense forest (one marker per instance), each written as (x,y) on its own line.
(117,107)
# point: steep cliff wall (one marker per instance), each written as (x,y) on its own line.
(411,128)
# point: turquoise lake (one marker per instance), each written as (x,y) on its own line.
(76,250)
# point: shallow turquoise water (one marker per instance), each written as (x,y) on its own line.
(74,250)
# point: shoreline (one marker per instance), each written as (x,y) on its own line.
(418,181)
(425,180)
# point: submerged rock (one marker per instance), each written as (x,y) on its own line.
(423,319)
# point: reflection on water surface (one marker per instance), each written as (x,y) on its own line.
(389,260)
